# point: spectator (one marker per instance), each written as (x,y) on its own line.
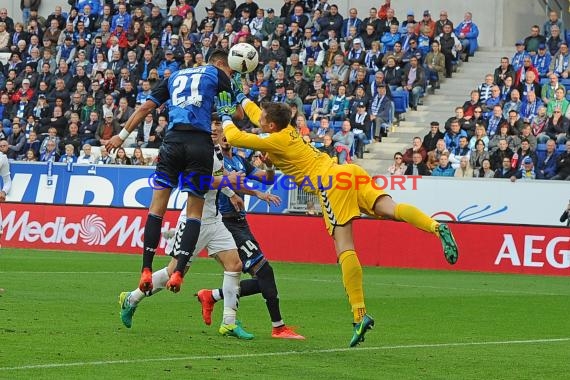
(484,171)
(515,123)
(505,133)
(554,42)
(504,170)
(501,154)
(546,161)
(392,74)
(269,24)
(559,65)
(69,156)
(444,169)
(529,107)
(460,151)
(452,136)
(319,106)
(432,137)
(86,157)
(541,61)
(443,20)
(338,105)
(328,146)
(121,157)
(398,167)
(524,151)
(492,102)
(480,134)
(535,39)
(435,64)
(390,38)
(470,106)
(380,112)
(504,70)
(514,104)
(104,157)
(417,165)
(16,142)
(434,155)
(478,154)
(426,23)
(506,89)
(548,92)
(467,32)
(563,165)
(30,156)
(413,81)
(33,144)
(343,142)
(138,158)
(556,127)
(530,84)
(50,154)
(558,103)
(361,127)
(552,21)
(318,134)
(416,147)
(526,133)
(518,57)
(464,170)
(450,45)
(526,171)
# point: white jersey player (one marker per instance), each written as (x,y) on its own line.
(220,244)
(6,183)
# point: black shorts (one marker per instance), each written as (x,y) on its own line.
(249,250)
(186,165)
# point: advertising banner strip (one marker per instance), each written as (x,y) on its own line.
(483,247)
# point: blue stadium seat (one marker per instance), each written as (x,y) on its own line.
(567,36)
(313,124)
(336,125)
(544,81)
(401,101)
(561,148)
(541,147)
(307,109)
(564,82)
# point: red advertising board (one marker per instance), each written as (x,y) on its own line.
(483,247)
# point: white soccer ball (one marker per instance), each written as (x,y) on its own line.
(243,58)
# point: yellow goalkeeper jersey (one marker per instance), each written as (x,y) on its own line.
(286,149)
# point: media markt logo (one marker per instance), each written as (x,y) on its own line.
(92,229)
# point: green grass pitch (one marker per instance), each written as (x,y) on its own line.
(59,319)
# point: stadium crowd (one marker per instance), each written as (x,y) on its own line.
(515,125)
(74,78)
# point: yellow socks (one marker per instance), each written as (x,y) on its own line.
(416,217)
(352,280)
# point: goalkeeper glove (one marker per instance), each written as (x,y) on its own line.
(224,105)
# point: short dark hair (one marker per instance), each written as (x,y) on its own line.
(278,113)
(219,55)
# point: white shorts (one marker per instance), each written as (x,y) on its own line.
(213,236)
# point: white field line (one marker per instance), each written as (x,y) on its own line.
(281,353)
(367,283)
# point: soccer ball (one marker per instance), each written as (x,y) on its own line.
(243,58)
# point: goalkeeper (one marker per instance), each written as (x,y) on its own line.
(340,203)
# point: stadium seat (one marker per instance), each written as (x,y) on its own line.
(401,101)
(307,109)
(541,147)
(544,81)
(567,36)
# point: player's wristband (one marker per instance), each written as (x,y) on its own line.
(226,121)
(240,97)
(124,134)
(227,192)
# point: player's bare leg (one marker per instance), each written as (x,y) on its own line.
(352,280)
(385,207)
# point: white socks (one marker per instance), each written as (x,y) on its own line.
(159,280)
(230,288)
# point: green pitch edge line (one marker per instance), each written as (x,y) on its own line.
(284,353)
